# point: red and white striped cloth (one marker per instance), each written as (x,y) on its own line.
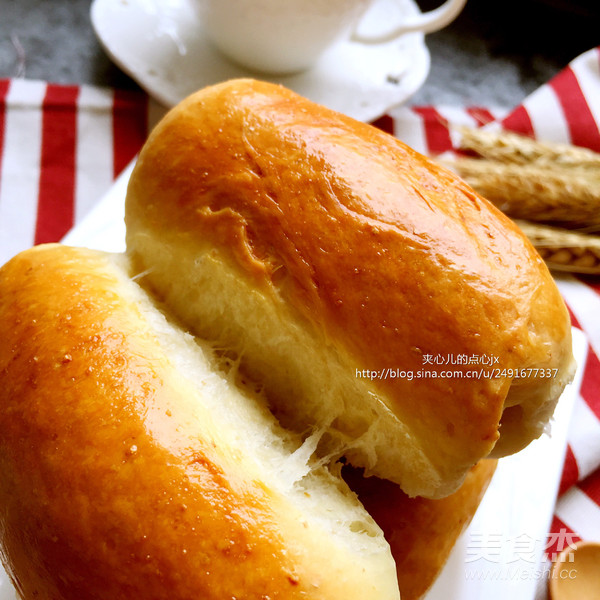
(61,147)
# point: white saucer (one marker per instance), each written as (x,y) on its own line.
(160,44)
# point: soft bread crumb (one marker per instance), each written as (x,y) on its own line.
(233,404)
(305,381)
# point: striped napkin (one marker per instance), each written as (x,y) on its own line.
(61,148)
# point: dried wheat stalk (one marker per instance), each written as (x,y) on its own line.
(567,196)
(541,182)
(508,147)
(564,250)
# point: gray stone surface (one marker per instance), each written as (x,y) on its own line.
(494,54)
(53,40)
(499,51)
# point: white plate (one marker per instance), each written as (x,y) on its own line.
(516,511)
(160,44)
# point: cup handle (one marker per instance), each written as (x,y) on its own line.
(427,22)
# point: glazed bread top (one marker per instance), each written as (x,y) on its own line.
(350,274)
(135,464)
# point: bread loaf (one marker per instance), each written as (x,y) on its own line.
(354,279)
(136,464)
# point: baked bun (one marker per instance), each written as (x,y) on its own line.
(422,532)
(345,272)
(136,464)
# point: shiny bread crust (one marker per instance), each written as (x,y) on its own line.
(385,262)
(116,482)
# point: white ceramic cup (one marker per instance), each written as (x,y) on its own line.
(288,36)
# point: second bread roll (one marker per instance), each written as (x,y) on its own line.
(338,265)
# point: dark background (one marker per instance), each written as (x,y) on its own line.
(494,54)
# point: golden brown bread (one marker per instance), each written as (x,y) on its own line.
(421,531)
(334,262)
(131,467)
